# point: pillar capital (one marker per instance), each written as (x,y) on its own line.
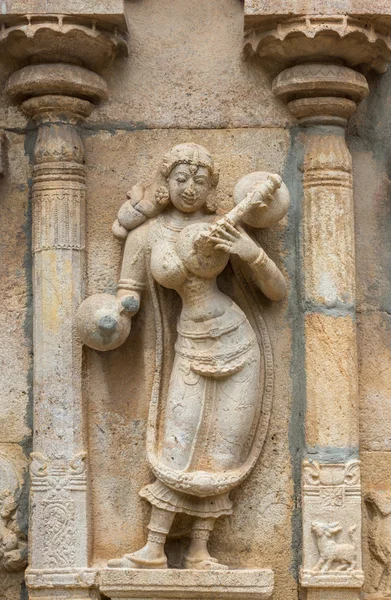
(321,93)
(31,33)
(61,54)
(355,34)
(320,53)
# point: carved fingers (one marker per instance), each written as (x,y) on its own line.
(233,239)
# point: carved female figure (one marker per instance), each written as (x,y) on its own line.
(204,434)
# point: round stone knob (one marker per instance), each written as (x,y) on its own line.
(103,323)
(273,209)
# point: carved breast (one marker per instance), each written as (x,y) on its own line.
(166,267)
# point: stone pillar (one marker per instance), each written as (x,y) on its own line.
(322,97)
(59,552)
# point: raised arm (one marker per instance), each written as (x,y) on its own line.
(235,240)
(268,277)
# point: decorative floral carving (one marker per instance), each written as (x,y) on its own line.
(331,475)
(331,491)
(39,464)
(59,523)
(55,480)
(311,473)
(77,464)
(333,496)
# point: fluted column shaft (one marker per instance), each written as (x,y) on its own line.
(58,517)
(329,295)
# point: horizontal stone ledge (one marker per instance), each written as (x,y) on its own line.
(274,8)
(189,584)
(332,579)
(52,579)
(114,9)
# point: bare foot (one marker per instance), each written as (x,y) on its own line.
(198,557)
(204,564)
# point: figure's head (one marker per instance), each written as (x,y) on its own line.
(185,178)
(190,174)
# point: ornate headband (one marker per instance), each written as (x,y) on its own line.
(190,154)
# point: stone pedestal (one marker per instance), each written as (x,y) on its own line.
(170,584)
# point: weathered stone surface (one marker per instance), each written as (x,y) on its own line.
(376,474)
(207,83)
(332,411)
(186,81)
(15,282)
(56,78)
(94,7)
(316,7)
(231,585)
(13,519)
(117,399)
(372,219)
(192,81)
(374,340)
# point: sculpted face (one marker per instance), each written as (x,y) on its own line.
(189,186)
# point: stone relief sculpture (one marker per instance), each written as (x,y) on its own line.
(13,544)
(379,536)
(207,424)
(333,555)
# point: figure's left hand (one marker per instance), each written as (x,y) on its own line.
(234,240)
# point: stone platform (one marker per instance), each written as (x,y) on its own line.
(167,584)
(335,579)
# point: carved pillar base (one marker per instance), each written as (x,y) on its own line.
(170,584)
(331,494)
(62,584)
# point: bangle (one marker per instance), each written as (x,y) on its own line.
(261,259)
(130,284)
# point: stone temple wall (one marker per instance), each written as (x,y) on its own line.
(209,73)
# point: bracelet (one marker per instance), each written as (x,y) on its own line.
(261,259)
(130,284)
